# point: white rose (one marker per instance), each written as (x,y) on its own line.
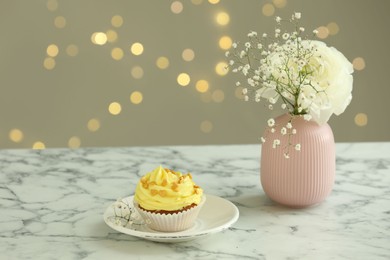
(332,78)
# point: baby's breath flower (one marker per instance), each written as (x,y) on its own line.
(252,34)
(283,131)
(271,122)
(298,147)
(278,19)
(275,143)
(297,15)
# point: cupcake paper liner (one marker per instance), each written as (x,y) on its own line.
(171,222)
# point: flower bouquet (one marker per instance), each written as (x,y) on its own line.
(310,81)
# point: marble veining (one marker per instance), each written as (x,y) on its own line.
(52,202)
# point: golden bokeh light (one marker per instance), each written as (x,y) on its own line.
(137,48)
(268,9)
(221,68)
(162,62)
(183,79)
(202,86)
(112,36)
(279,3)
(72,50)
(225,42)
(206,126)
(361,119)
(222,18)
(117,21)
(115,108)
(358,63)
(49,63)
(52,5)
(137,72)
(333,28)
(16,135)
(60,22)
(93,125)
(218,96)
(213,2)
(74,142)
(323,32)
(38,145)
(176,7)
(52,50)
(117,53)
(136,97)
(188,55)
(99,38)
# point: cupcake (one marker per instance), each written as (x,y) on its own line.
(168,201)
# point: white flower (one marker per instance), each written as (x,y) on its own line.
(278,19)
(234,45)
(262,139)
(244,91)
(238,83)
(285,36)
(275,143)
(289,125)
(283,131)
(297,15)
(298,147)
(271,122)
(331,74)
(252,34)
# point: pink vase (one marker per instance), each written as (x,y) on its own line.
(307,177)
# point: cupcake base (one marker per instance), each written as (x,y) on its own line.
(168,222)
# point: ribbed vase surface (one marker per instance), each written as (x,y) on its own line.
(307,176)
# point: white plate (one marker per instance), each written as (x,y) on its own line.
(217,214)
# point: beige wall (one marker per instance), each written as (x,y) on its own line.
(51,99)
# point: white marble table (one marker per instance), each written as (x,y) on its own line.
(52,203)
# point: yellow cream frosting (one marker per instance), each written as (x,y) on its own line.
(164,189)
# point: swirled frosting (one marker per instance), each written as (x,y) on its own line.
(164,189)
